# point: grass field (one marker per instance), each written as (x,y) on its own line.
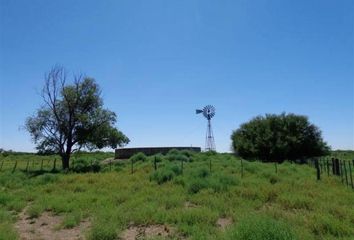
(193,202)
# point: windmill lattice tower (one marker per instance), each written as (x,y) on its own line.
(208,112)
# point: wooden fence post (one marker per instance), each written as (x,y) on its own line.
(132,170)
(327,167)
(210,164)
(276,167)
(54,164)
(155,164)
(42,165)
(13,170)
(318,170)
(351,177)
(345,171)
(341,170)
(241,168)
(27,165)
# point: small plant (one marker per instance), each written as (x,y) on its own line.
(261,228)
(273,179)
(201,173)
(138,157)
(81,166)
(47,178)
(162,175)
(196,185)
(34,211)
(96,167)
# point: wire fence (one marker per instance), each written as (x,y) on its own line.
(343,169)
(325,167)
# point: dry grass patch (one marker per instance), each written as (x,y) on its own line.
(46,227)
(146,232)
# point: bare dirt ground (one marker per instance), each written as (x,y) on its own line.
(223,223)
(46,227)
(189,205)
(146,232)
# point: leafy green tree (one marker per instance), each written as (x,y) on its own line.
(275,138)
(72,117)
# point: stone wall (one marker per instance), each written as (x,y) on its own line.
(124,153)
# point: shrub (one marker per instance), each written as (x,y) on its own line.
(201,172)
(273,179)
(96,167)
(187,153)
(34,211)
(165,174)
(81,166)
(278,137)
(221,183)
(47,178)
(197,184)
(71,220)
(103,232)
(261,228)
(159,157)
(138,157)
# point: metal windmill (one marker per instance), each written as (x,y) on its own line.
(208,112)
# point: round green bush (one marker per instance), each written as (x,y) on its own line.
(196,185)
(138,157)
(81,166)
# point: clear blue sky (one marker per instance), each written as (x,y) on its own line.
(157,61)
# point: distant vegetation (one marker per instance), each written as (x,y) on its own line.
(185,193)
(276,138)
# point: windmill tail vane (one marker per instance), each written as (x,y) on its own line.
(208,112)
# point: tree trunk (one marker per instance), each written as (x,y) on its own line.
(65,161)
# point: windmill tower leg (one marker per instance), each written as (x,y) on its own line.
(209,141)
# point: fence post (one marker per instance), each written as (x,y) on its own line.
(241,168)
(155,164)
(327,167)
(350,174)
(337,167)
(341,170)
(42,165)
(210,164)
(13,170)
(27,165)
(276,167)
(54,164)
(132,170)
(345,171)
(318,170)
